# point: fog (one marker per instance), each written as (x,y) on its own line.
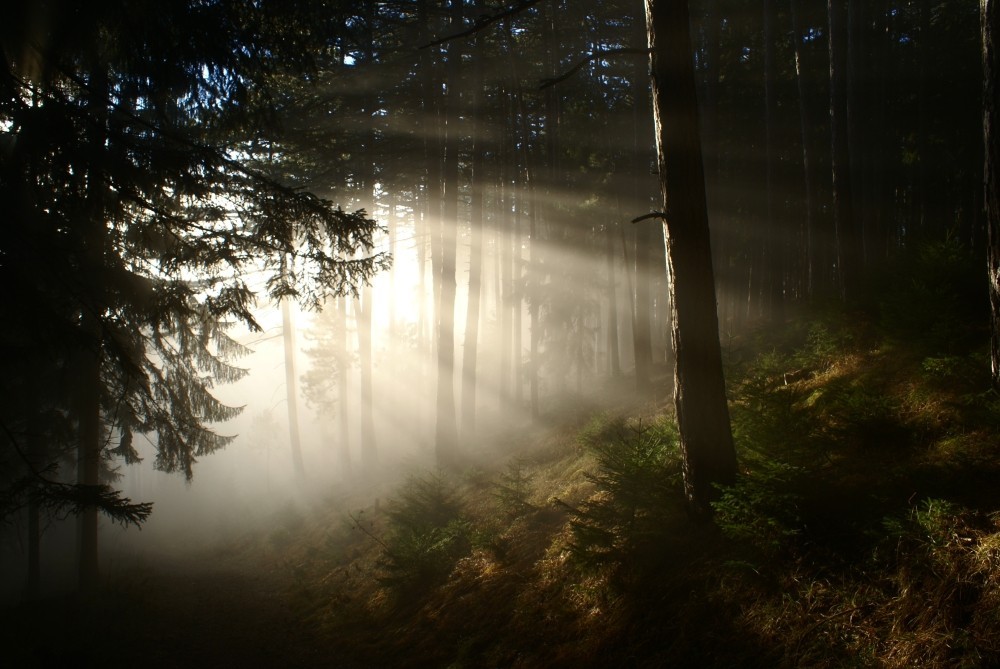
(245,486)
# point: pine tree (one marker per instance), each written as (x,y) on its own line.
(130,133)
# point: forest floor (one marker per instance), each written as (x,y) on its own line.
(191,612)
(864,531)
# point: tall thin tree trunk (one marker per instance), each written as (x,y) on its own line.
(88,460)
(392,226)
(517,308)
(642,302)
(470,350)
(990,18)
(343,386)
(614,356)
(848,242)
(288,337)
(505,256)
(36,447)
(642,345)
(430,122)
(90,386)
(809,240)
(879,198)
(774,255)
(447,432)
(33,588)
(369,446)
(533,303)
(699,385)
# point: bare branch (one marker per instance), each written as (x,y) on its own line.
(485,21)
(646,217)
(359,526)
(595,55)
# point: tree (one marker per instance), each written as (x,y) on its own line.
(848,241)
(135,211)
(363,310)
(291,394)
(642,344)
(990,21)
(446,433)
(470,349)
(699,385)
(807,185)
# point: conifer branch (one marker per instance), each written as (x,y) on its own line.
(58,495)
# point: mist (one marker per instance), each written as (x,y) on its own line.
(560,334)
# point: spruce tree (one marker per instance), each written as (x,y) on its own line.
(131,134)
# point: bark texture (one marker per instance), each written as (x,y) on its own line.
(699,384)
(991,126)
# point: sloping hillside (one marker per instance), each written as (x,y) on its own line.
(864,531)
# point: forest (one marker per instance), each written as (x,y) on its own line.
(403,333)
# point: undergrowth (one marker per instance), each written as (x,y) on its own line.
(626,525)
(427,533)
(863,529)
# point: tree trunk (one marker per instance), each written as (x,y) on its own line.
(430,123)
(343,385)
(774,254)
(37,440)
(642,345)
(699,385)
(614,356)
(88,460)
(808,234)
(641,323)
(848,241)
(990,18)
(447,432)
(288,337)
(716,195)
(369,447)
(517,308)
(33,588)
(470,350)
(524,194)
(89,400)
(392,229)
(533,304)
(505,255)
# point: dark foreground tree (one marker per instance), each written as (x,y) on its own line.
(990,18)
(133,215)
(699,385)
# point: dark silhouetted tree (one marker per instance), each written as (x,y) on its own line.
(131,140)
(990,18)
(699,386)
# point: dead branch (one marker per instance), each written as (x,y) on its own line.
(484,21)
(646,217)
(595,55)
